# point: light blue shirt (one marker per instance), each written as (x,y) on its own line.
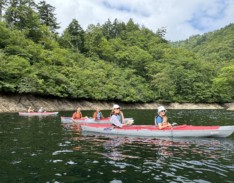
(115,121)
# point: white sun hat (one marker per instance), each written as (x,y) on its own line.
(161,108)
(116,106)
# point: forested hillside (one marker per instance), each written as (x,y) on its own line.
(216,48)
(114,61)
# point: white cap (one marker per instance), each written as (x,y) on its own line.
(161,108)
(116,106)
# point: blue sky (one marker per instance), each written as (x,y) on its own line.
(181,18)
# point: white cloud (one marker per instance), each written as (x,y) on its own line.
(182,18)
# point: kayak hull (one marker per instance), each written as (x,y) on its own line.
(88,120)
(85,120)
(38,113)
(153,131)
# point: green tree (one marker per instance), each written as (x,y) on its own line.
(21,15)
(12,69)
(107,30)
(161,32)
(131,26)
(135,58)
(118,28)
(97,45)
(74,35)
(223,84)
(47,16)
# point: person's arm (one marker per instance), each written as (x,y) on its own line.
(162,122)
(102,115)
(161,126)
(155,121)
(159,121)
(95,115)
(165,122)
(165,119)
(114,120)
(30,110)
(74,115)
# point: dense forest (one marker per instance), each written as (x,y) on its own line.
(117,61)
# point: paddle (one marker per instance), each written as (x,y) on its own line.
(174,124)
(130,122)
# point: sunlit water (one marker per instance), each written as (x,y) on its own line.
(34,149)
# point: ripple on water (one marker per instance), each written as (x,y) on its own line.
(61,151)
(115,181)
(71,163)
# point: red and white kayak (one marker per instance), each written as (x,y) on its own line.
(38,113)
(88,120)
(85,120)
(153,131)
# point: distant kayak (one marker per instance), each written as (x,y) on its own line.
(153,131)
(37,113)
(88,120)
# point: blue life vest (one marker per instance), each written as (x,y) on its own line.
(159,121)
(119,117)
(99,115)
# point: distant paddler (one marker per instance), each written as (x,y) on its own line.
(41,110)
(77,115)
(97,115)
(30,109)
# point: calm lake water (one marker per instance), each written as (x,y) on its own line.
(34,149)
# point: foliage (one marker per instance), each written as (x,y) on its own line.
(224,84)
(114,61)
(73,36)
(47,16)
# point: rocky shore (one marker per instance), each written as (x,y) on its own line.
(16,103)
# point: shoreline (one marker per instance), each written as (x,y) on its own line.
(18,103)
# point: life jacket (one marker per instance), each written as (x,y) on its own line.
(99,115)
(119,116)
(156,120)
(77,115)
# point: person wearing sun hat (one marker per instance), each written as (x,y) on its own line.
(161,118)
(117,118)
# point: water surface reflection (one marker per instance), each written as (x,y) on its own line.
(42,150)
(179,160)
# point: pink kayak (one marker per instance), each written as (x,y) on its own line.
(38,113)
(153,131)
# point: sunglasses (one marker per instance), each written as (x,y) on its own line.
(116,108)
(163,111)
